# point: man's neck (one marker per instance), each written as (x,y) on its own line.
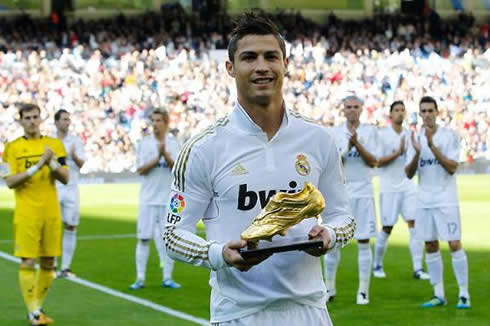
(397,127)
(61,134)
(33,136)
(353,124)
(268,118)
(160,136)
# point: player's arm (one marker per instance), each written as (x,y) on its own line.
(413,157)
(14,180)
(338,225)
(144,167)
(388,159)
(447,163)
(365,154)
(78,154)
(192,187)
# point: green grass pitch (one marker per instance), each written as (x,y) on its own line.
(112,210)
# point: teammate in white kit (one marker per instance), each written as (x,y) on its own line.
(397,192)
(68,195)
(434,155)
(357,145)
(226,175)
(155,159)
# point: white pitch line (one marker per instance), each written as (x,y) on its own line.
(94,237)
(124,296)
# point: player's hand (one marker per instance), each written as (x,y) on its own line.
(162,149)
(319,231)
(231,254)
(402,146)
(47,155)
(415,143)
(72,151)
(353,138)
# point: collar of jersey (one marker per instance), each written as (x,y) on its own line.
(241,118)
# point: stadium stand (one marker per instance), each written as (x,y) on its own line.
(110,73)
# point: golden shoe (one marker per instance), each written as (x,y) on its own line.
(283,211)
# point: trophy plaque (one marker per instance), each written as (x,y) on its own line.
(283,211)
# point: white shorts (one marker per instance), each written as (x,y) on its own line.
(150,217)
(392,204)
(283,314)
(365,217)
(439,223)
(69,198)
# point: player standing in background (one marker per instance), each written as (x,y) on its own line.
(68,194)
(434,155)
(31,165)
(357,144)
(155,159)
(397,192)
(226,175)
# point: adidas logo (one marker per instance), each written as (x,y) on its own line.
(239,170)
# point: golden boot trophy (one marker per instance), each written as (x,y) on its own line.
(283,211)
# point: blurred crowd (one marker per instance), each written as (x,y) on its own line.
(111,73)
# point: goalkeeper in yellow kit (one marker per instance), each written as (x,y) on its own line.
(31,164)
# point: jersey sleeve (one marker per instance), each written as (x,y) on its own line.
(336,217)
(5,166)
(140,154)
(79,149)
(59,152)
(190,196)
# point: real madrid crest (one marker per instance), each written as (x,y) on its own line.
(302,165)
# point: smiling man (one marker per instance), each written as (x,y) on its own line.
(227,174)
(434,155)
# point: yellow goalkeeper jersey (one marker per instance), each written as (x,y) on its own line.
(37,196)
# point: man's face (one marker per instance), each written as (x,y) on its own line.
(352,110)
(258,69)
(398,114)
(159,125)
(428,113)
(63,123)
(30,121)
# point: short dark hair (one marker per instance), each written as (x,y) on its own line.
(26,107)
(395,104)
(58,114)
(250,23)
(163,113)
(428,99)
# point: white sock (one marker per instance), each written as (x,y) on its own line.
(416,250)
(434,267)
(380,248)
(69,244)
(331,262)
(166,263)
(364,260)
(142,253)
(460,269)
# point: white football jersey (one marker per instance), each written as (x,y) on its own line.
(155,185)
(226,175)
(71,141)
(358,175)
(392,177)
(436,187)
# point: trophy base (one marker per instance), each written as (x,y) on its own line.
(291,244)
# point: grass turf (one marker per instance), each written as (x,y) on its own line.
(112,209)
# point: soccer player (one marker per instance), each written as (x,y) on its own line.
(68,194)
(397,192)
(434,155)
(357,145)
(155,159)
(32,163)
(226,175)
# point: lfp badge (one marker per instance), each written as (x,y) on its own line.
(177,204)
